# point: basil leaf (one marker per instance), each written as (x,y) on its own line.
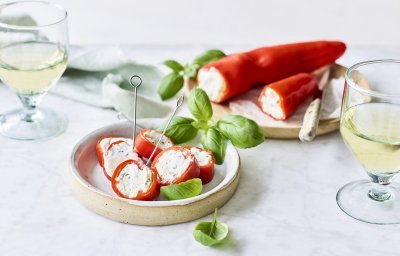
(241,131)
(199,104)
(215,142)
(180,129)
(170,85)
(187,189)
(211,233)
(174,65)
(209,56)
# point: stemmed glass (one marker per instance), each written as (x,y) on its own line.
(370,127)
(33,56)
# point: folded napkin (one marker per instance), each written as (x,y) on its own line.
(99,76)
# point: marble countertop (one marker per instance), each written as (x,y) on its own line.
(285,203)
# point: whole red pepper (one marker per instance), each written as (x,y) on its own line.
(281,99)
(235,74)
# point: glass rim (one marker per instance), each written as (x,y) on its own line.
(370,92)
(36,27)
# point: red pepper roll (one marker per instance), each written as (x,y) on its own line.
(146,141)
(206,161)
(281,99)
(175,165)
(237,73)
(134,180)
(111,151)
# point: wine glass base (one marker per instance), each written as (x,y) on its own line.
(355,201)
(46,124)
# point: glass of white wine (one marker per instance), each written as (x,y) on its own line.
(33,56)
(370,127)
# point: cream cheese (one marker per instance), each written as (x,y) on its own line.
(270,102)
(132,180)
(203,157)
(117,153)
(172,164)
(153,136)
(212,83)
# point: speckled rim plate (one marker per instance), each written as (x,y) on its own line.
(90,185)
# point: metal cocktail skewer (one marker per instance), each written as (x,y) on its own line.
(135,104)
(178,104)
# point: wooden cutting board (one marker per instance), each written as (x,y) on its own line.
(278,132)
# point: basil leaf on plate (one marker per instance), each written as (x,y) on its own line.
(170,85)
(241,131)
(210,233)
(209,56)
(174,65)
(215,142)
(199,104)
(187,189)
(181,129)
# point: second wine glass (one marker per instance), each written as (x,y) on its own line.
(370,127)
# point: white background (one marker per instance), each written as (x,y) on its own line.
(229,22)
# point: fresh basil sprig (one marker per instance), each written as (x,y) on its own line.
(241,131)
(214,141)
(172,83)
(183,190)
(181,129)
(211,233)
(200,105)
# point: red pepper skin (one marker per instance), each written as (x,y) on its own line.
(149,195)
(144,147)
(206,171)
(192,171)
(265,65)
(292,91)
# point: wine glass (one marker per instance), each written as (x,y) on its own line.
(370,127)
(33,56)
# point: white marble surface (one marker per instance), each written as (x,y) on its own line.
(285,203)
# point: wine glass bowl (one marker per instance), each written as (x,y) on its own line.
(33,56)
(370,127)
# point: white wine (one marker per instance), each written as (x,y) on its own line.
(32,67)
(372,132)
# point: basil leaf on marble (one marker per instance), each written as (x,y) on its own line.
(199,104)
(170,85)
(211,233)
(241,131)
(187,189)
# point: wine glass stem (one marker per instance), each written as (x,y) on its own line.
(380,190)
(30,103)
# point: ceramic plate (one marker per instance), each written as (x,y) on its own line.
(94,190)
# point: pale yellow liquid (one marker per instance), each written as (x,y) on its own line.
(372,132)
(32,67)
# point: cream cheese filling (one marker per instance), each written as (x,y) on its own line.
(117,153)
(153,136)
(132,180)
(270,102)
(171,165)
(212,83)
(203,157)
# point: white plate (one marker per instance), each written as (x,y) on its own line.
(94,189)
